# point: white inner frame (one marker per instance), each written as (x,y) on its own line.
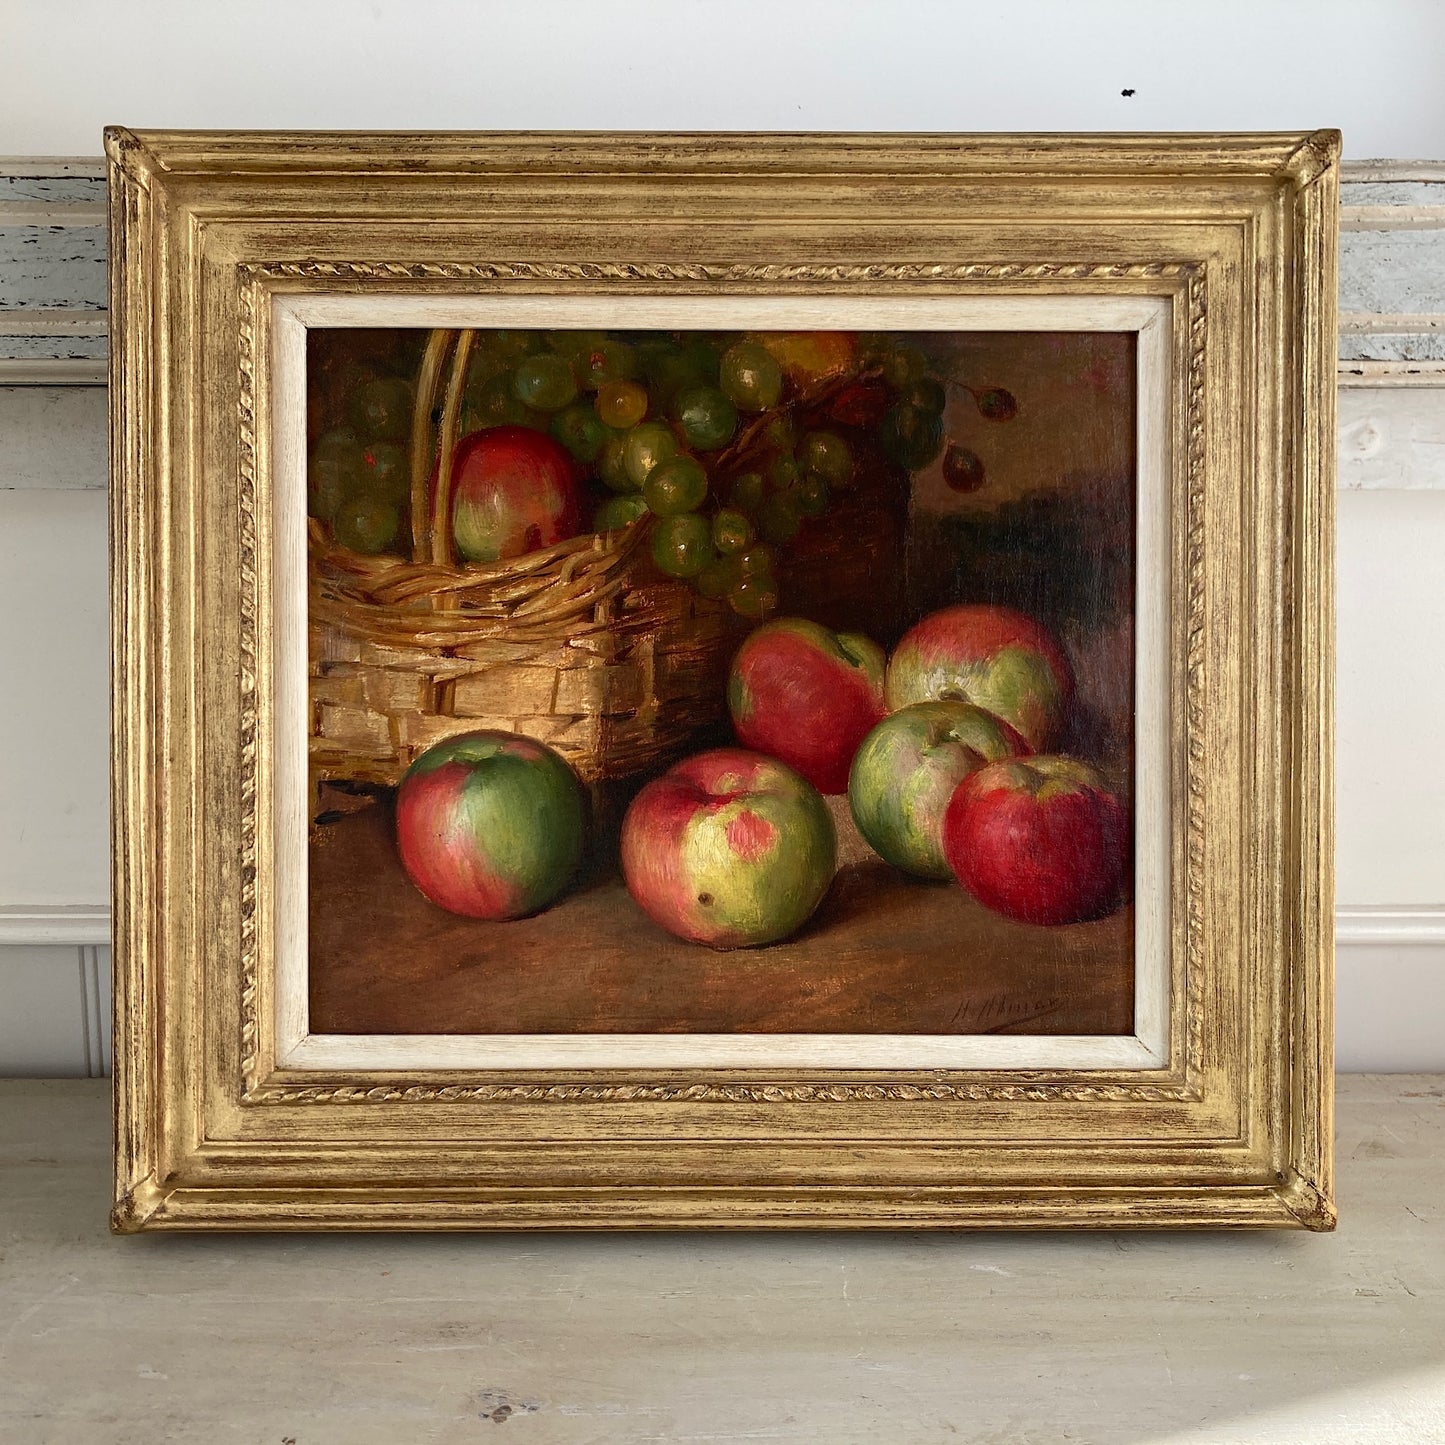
(1145,1048)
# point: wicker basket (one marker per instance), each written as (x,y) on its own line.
(581,646)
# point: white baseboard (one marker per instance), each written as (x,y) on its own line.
(55,989)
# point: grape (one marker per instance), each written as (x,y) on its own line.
(750,376)
(581,431)
(682,546)
(617,512)
(812,495)
(381,409)
(386,471)
(757,561)
(621,404)
(606,361)
(731,532)
(782,473)
(779,434)
(675,486)
(331,478)
(747,491)
(719,578)
(612,465)
(647,444)
(514,345)
(996,404)
(904,366)
(496,405)
(545,382)
(339,440)
(671,369)
(366,524)
(753,596)
(910,437)
(574,345)
(780,518)
(707,418)
(927,394)
(962,469)
(828,455)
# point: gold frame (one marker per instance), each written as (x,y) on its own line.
(1237,231)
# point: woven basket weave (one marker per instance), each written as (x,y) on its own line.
(581,645)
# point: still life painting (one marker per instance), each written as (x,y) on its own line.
(700,682)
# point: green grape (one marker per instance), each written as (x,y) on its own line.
(495,404)
(381,409)
(707,418)
(758,561)
(617,512)
(330,479)
(782,472)
(718,579)
(516,344)
(339,441)
(366,524)
(606,361)
(827,455)
(647,444)
(927,394)
(910,437)
(580,430)
(812,495)
(386,471)
(612,465)
(747,492)
(544,382)
(682,546)
(621,404)
(750,376)
(671,369)
(703,358)
(675,486)
(753,596)
(904,366)
(996,404)
(731,532)
(780,518)
(574,345)
(780,434)
(486,362)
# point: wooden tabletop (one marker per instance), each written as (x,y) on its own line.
(1112,1339)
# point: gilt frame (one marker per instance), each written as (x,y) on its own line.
(1236,232)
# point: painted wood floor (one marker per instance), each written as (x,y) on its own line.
(1142,1339)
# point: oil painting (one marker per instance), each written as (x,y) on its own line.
(757,682)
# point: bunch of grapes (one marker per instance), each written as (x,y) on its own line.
(359,472)
(731,443)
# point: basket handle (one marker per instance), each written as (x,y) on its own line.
(431,514)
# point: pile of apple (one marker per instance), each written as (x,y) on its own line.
(942,750)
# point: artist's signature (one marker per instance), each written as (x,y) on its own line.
(997,1011)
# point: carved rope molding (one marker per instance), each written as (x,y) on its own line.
(1189,281)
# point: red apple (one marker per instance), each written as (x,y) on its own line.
(993,657)
(808,696)
(513,490)
(490,824)
(728,848)
(1039,839)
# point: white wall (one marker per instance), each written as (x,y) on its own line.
(1374,70)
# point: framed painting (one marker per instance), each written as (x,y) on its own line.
(722,680)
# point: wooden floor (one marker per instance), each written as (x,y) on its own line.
(1144,1339)
(884,954)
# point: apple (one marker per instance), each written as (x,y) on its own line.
(729,848)
(1039,839)
(993,657)
(490,824)
(808,696)
(513,490)
(909,767)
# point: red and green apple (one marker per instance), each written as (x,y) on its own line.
(993,657)
(807,696)
(490,824)
(910,766)
(728,848)
(1039,839)
(514,490)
